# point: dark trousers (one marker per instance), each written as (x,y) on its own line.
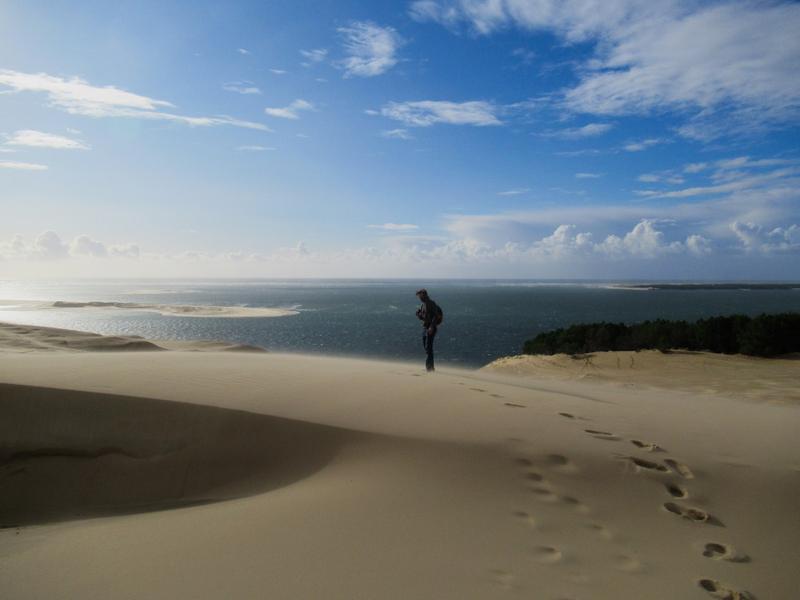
(427,343)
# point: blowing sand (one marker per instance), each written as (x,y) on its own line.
(219,475)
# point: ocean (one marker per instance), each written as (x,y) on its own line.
(483,320)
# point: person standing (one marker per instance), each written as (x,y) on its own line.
(431,316)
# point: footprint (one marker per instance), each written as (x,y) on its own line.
(574,503)
(526,517)
(647,464)
(681,468)
(547,554)
(567,415)
(496,396)
(600,529)
(677,491)
(647,446)
(477,390)
(602,435)
(718,590)
(525,462)
(512,404)
(560,463)
(695,515)
(544,494)
(628,564)
(724,552)
(534,476)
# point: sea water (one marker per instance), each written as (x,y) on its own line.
(483,320)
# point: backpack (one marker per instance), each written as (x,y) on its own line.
(439,315)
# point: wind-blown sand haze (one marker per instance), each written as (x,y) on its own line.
(173,474)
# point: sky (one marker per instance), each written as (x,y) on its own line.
(568,139)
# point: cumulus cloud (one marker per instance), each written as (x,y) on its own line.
(425,113)
(737,58)
(40,139)
(48,245)
(77,96)
(21,166)
(291,111)
(371,49)
(755,238)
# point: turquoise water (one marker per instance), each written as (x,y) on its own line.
(483,319)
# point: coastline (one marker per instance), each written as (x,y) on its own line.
(212,474)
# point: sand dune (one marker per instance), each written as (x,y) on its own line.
(28,338)
(732,376)
(311,477)
(170,310)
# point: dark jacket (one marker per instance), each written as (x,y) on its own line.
(429,313)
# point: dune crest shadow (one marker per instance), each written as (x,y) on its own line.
(69,455)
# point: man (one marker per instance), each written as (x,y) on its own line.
(431,316)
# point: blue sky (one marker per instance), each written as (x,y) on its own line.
(463,138)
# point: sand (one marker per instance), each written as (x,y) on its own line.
(171,474)
(773,380)
(168,310)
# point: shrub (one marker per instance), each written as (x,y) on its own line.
(765,335)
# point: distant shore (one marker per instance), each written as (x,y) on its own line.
(710,286)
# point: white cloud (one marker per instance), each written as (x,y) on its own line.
(576,133)
(21,166)
(314,56)
(698,245)
(291,111)
(48,245)
(395,227)
(398,134)
(243,51)
(695,167)
(78,97)
(39,139)
(254,148)
(644,241)
(371,49)
(588,175)
(514,192)
(737,58)
(83,245)
(277,71)
(241,87)
(640,145)
(424,113)
(755,238)
(787,175)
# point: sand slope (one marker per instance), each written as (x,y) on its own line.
(309,477)
(732,376)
